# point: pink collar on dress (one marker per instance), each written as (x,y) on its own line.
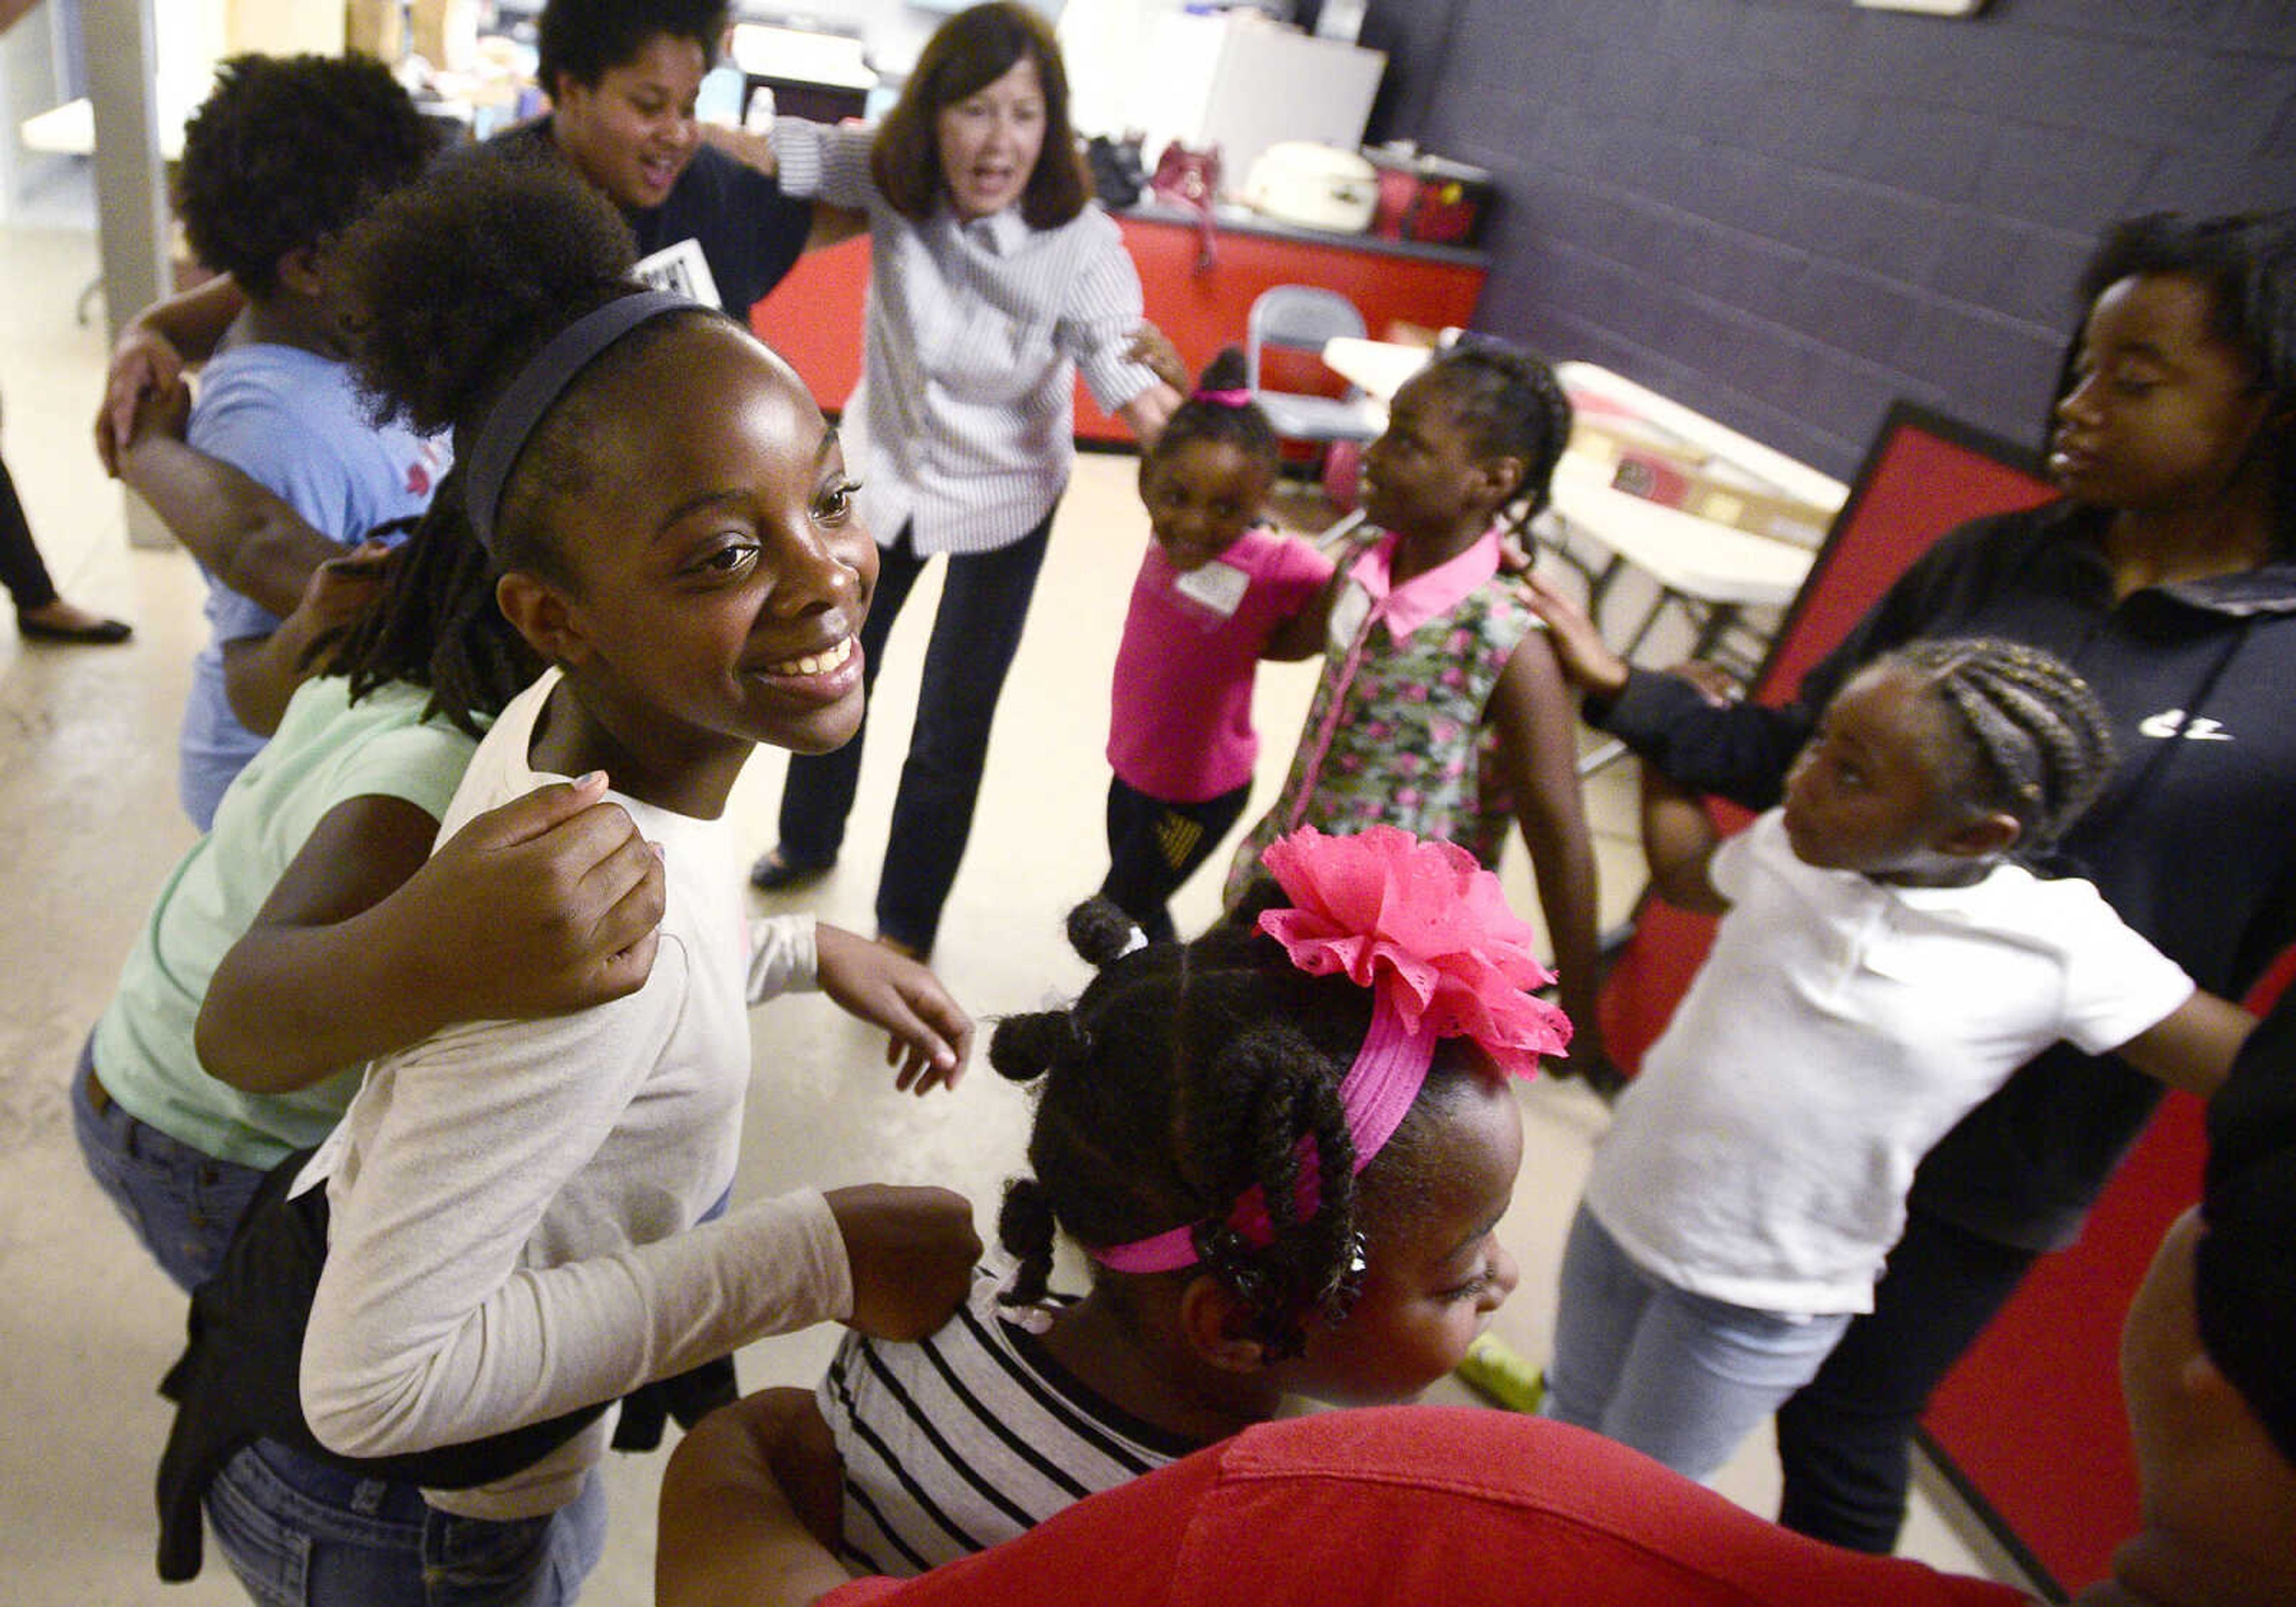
(1405,608)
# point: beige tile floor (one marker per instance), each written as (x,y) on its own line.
(89,827)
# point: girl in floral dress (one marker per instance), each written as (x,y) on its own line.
(1441,709)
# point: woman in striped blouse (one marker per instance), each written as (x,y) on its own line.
(997,281)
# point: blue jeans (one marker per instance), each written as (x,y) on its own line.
(1845,1441)
(1676,1375)
(182,1203)
(301,1533)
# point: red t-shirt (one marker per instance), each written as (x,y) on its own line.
(1456,1506)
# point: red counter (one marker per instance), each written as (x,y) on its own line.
(814,317)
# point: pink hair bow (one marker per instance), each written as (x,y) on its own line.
(1429,932)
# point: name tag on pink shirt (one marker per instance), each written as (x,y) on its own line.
(1217,585)
(1348,610)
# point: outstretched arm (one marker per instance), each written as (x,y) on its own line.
(739,1520)
(261,674)
(1585,659)
(1146,414)
(2193,1046)
(370,942)
(1679,842)
(247,538)
(928,1034)
(832,224)
(1537,725)
(153,349)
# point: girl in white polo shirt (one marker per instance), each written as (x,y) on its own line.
(1882,968)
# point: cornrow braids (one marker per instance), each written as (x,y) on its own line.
(1184,1076)
(2039,745)
(1515,407)
(1245,427)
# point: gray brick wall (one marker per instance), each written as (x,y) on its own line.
(1786,212)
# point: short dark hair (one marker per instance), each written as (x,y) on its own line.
(1512,405)
(1243,426)
(966,54)
(289,150)
(2246,262)
(1182,1076)
(583,39)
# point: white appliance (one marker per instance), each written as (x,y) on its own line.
(1313,187)
(1243,84)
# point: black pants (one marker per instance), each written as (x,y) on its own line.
(1845,1439)
(1153,846)
(984,604)
(21,568)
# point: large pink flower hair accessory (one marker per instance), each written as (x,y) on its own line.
(1428,930)
(1425,926)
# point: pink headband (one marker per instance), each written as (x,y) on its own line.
(1428,930)
(1222,398)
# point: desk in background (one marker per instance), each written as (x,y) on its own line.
(1710,573)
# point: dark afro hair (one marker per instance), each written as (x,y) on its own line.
(453,282)
(584,39)
(288,151)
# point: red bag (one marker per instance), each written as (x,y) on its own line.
(1190,180)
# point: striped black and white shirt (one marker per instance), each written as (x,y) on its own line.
(965,419)
(970,1437)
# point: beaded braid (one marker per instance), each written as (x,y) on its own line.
(1182,1076)
(1516,408)
(2041,743)
(1244,427)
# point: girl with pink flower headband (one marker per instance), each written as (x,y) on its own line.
(1284,1148)
(1216,586)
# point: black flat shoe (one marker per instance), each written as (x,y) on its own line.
(774,873)
(104,632)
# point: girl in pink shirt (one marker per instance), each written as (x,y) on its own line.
(1215,585)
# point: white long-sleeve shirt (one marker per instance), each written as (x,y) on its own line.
(975,332)
(514,1204)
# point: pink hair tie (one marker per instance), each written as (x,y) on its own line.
(1429,932)
(1222,398)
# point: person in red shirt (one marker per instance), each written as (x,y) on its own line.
(1467,1507)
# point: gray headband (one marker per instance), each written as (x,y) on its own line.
(503,434)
